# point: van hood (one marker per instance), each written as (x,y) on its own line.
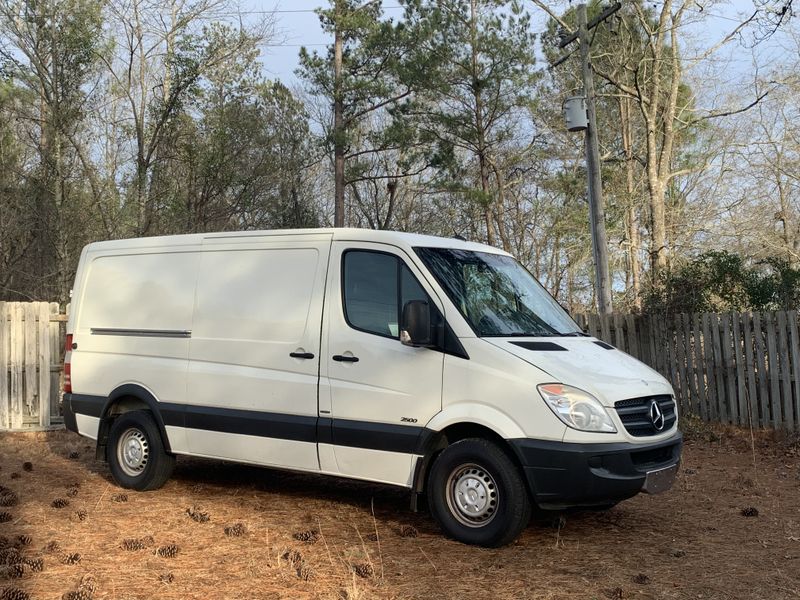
(589,364)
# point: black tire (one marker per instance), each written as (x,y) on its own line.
(500,499)
(139,433)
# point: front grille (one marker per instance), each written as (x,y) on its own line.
(635,414)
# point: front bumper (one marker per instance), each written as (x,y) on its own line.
(562,475)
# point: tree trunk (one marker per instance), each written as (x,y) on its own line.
(338,124)
(483,167)
(634,242)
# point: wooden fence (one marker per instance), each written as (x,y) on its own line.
(738,368)
(31,342)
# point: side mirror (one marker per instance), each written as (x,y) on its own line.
(415,327)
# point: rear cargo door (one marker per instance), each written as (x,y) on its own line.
(255,348)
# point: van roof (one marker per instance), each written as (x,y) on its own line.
(397,238)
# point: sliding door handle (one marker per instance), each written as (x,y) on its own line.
(301,355)
(343,358)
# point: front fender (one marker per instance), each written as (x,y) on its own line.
(479,414)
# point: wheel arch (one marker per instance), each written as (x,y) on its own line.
(433,442)
(126,398)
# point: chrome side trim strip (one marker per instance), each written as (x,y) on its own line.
(169,333)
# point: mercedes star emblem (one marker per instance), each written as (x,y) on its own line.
(656,416)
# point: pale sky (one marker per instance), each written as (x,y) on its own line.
(297,25)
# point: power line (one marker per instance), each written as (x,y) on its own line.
(289,11)
(701,11)
(291,45)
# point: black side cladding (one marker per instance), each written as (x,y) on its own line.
(304,428)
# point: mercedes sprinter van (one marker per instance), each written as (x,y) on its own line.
(434,364)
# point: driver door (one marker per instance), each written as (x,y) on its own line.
(376,394)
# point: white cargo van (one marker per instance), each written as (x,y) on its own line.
(434,364)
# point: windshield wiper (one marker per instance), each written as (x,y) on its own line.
(574,334)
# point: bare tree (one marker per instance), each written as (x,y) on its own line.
(160,53)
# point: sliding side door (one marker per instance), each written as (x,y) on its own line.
(255,347)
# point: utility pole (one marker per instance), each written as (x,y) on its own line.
(338,121)
(596,203)
(595,183)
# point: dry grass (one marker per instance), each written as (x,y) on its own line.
(693,542)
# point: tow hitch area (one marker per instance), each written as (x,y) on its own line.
(660,480)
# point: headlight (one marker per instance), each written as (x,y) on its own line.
(576,408)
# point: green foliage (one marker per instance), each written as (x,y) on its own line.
(235,155)
(720,281)
(478,101)
(60,38)
(383,66)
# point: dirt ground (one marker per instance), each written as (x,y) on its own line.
(363,542)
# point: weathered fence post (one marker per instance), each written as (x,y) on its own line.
(5,397)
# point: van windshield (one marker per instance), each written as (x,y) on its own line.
(496,294)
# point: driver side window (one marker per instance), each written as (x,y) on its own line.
(375,287)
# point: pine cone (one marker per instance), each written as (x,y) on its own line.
(197,515)
(53,546)
(616,593)
(3,542)
(24,540)
(364,570)
(15,475)
(5,517)
(87,584)
(119,498)
(310,536)
(81,514)
(59,503)
(72,492)
(27,466)
(14,571)
(8,498)
(36,564)
(12,593)
(168,551)
(137,543)
(236,530)
(166,578)
(71,559)
(293,557)
(10,556)
(305,572)
(408,531)
(77,595)
(74,455)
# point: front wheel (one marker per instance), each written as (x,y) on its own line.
(135,452)
(477,495)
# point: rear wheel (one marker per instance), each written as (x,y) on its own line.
(135,452)
(477,495)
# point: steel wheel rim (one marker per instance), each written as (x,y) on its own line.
(472,495)
(133,452)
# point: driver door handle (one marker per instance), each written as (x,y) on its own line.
(342,358)
(301,355)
